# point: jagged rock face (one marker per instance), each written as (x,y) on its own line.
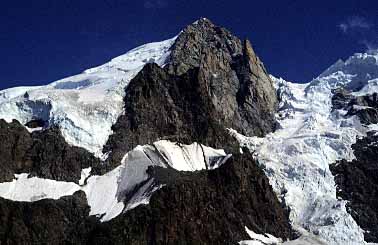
(341,99)
(235,79)
(358,184)
(365,107)
(212,82)
(199,40)
(16,140)
(161,105)
(62,221)
(42,153)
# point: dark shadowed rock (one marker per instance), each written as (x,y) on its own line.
(357,182)
(63,221)
(16,141)
(213,82)
(341,99)
(365,107)
(45,154)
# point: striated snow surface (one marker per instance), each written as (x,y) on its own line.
(311,136)
(84,106)
(106,194)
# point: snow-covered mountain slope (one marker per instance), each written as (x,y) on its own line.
(106,194)
(311,136)
(84,106)
(357,71)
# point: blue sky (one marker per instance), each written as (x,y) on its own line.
(44,40)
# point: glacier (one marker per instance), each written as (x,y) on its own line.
(311,136)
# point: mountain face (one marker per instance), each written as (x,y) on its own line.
(44,154)
(191,141)
(212,82)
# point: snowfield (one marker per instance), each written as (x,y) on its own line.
(84,106)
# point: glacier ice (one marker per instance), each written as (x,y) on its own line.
(296,157)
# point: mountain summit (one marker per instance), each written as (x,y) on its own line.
(192,141)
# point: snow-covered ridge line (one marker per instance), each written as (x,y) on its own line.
(105,194)
(84,106)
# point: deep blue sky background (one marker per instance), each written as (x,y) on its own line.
(44,40)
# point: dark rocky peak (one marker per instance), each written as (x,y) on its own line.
(213,81)
(229,68)
(200,38)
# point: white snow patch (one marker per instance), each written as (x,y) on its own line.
(31,130)
(259,239)
(84,175)
(24,189)
(102,193)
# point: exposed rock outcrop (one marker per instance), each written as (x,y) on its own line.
(341,99)
(358,184)
(45,154)
(365,107)
(63,221)
(212,82)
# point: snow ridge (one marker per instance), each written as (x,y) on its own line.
(84,106)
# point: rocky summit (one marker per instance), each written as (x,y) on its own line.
(192,141)
(213,81)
